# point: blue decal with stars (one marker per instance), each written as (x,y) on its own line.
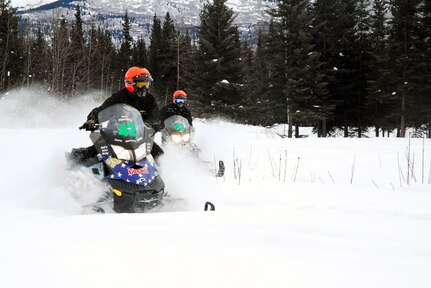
(140,173)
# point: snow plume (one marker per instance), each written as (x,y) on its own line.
(35,175)
(38,108)
(187,178)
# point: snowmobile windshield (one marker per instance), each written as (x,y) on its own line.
(177,125)
(122,125)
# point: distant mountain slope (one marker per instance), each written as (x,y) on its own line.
(109,13)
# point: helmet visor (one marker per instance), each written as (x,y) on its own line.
(180,100)
(142,84)
(142,78)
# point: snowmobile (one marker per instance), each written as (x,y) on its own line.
(178,131)
(123,142)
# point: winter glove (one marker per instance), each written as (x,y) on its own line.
(157,127)
(90,125)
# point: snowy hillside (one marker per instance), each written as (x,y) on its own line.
(248,11)
(29,4)
(250,14)
(305,212)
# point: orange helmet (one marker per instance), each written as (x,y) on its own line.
(179,97)
(138,80)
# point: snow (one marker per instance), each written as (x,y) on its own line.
(297,217)
(30,3)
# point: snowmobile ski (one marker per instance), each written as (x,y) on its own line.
(210,206)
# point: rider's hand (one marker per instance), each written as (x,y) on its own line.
(90,125)
(157,127)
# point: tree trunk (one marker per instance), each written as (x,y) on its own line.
(429,124)
(289,130)
(403,115)
(403,95)
(377,131)
(297,130)
(346,125)
(324,132)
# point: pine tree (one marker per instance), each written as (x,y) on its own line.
(187,64)
(327,30)
(11,46)
(426,51)
(154,53)
(347,77)
(125,53)
(140,57)
(301,91)
(364,63)
(249,99)
(60,51)
(168,58)
(378,101)
(261,98)
(106,55)
(99,52)
(77,57)
(220,65)
(275,51)
(39,68)
(403,58)
(187,73)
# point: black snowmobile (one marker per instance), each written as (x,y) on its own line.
(178,131)
(123,142)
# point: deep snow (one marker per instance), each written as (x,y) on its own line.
(297,216)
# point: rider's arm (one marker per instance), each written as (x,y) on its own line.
(152,116)
(188,115)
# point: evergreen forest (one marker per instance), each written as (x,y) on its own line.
(340,66)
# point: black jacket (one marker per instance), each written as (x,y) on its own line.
(173,109)
(146,105)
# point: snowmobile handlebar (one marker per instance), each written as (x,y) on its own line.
(84,126)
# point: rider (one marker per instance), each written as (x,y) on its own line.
(177,107)
(137,81)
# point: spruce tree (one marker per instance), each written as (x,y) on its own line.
(426,51)
(106,55)
(378,102)
(187,69)
(77,57)
(220,65)
(187,73)
(154,53)
(11,47)
(262,102)
(403,58)
(300,70)
(168,58)
(39,68)
(140,57)
(274,94)
(125,53)
(60,52)
(327,31)
(345,86)
(364,64)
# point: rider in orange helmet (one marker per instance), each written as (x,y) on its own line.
(177,107)
(137,81)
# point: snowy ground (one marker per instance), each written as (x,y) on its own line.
(305,212)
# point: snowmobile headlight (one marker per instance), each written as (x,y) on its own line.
(122,153)
(141,151)
(186,137)
(176,138)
